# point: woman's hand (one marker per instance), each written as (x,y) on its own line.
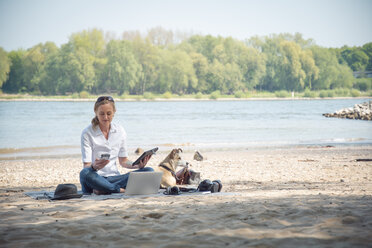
(144,161)
(100,163)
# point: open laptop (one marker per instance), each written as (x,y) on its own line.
(143,183)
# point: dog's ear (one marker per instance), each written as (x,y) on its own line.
(173,152)
(179,150)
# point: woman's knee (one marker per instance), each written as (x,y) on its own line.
(84,172)
(147,169)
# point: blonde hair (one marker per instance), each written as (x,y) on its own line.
(95,120)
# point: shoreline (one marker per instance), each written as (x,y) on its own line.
(41,153)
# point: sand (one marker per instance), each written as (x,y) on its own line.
(282,197)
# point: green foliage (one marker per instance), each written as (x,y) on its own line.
(75,95)
(4,66)
(215,95)
(308,93)
(199,95)
(282,94)
(330,93)
(239,94)
(148,95)
(355,57)
(167,95)
(84,94)
(198,65)
(342,92)
(138,97)
(355,92)
(125,95)
(323,93)
(363,84)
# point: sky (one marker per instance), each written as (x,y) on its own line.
(330,23)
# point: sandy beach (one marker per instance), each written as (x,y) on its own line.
(278,197)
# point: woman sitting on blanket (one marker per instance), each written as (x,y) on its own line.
(101,175)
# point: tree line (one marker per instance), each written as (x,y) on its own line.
(162,62)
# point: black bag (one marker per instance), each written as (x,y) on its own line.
(208,185)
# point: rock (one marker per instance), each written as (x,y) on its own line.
(359,111)
(139,151)
(198,156)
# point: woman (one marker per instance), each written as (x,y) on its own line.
(101,176)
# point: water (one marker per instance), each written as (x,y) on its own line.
(54,128)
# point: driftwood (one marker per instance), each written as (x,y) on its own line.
(363,159)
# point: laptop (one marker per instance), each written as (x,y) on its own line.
(143,183)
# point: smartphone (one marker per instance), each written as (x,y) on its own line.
(105,156)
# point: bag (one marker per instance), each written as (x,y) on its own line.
(186,176)
(213,187)
(194,177)
(183,176)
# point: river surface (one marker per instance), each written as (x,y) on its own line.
(42,129)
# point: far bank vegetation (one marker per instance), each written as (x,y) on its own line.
(163,64)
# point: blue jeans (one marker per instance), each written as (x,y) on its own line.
(89,180)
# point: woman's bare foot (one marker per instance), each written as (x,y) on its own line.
(122,190)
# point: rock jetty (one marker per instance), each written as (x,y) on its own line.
(359,112)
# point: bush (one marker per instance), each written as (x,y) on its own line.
(282,94)
(138,97)
(309,93)
(125,95)
(239,94)
(330,93)
(342,92)
(355,93)
(148,95)
(323,94)
(84,94)
(199,95)
(363,84)
(75,95)
(167,95)
(215,95)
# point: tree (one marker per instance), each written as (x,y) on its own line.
(201,68)
(355,57)
(332,74)
(89,48)
(252,64)
(367,49)
(147,55)
(122,71)
(309,67)
(176,73)
(158,36)
(15,82)
(4,66)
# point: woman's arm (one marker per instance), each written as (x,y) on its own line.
(97,165)
(123,161)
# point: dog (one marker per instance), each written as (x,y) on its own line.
(168,166)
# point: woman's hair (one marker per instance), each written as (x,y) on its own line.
(101,101)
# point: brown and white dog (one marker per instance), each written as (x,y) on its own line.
(168,166)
